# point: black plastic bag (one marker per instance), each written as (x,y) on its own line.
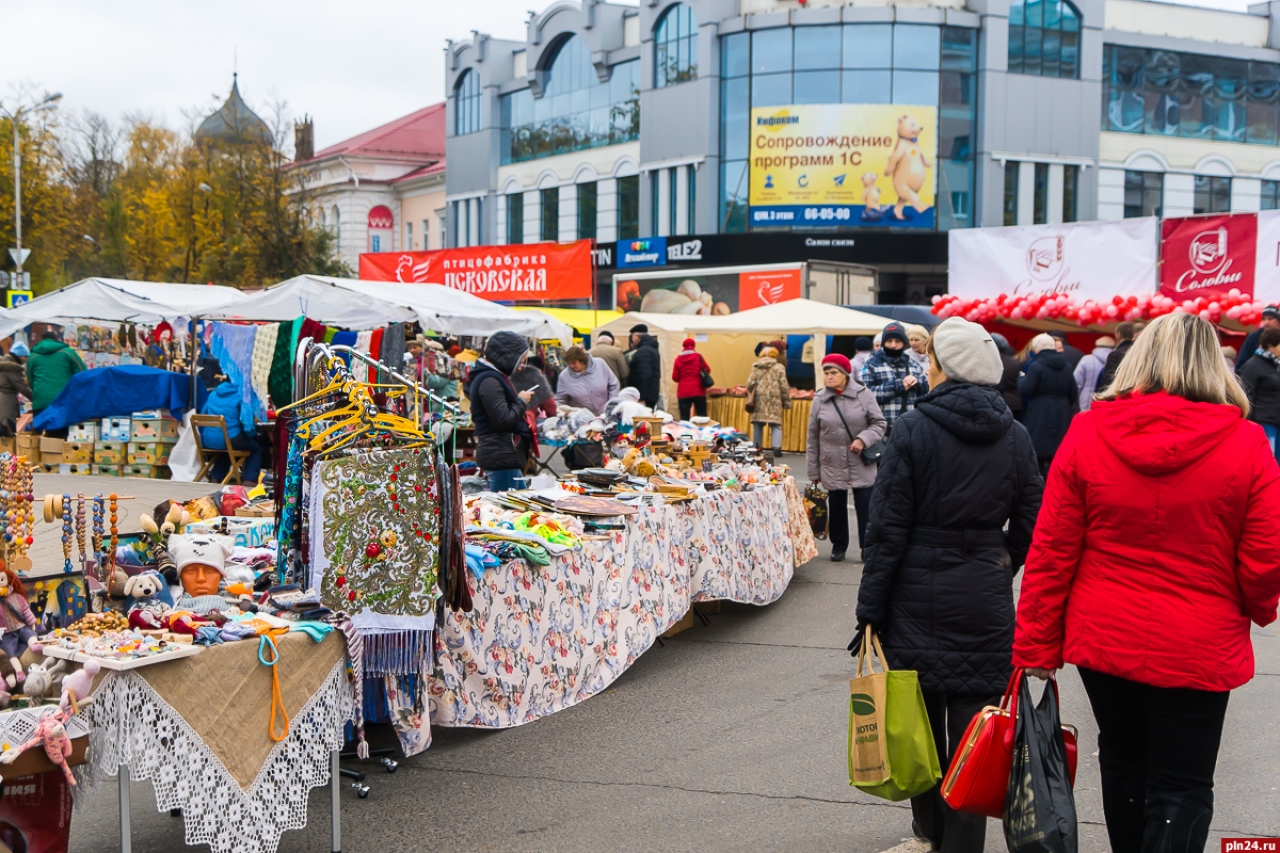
(1039,809)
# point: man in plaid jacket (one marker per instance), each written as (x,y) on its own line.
(897,380)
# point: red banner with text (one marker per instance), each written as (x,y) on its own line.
(529,272)
(1208,255)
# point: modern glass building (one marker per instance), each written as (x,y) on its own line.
(873,128)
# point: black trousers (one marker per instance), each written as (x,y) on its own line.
(947,829)
(688,405)
(1157,750)
(838,516)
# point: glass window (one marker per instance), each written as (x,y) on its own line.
(576,110)
(735,55)
(629,207)
(1212,195)
(550,214)
(736,125)
(867,87)
(1040,202)
(768,90)
(816,87)
(733,198)
(1261,99)
(466,105)
(655,209)
(1143,194)
(673,200)
(675,47)
(1044,38)
(587,206)
(693,200)
(817,47)
(916,46)
(868,46)
(1011,192)
(959,49)
(515,218)
(1195,96)
(1228,108)
(919,88)
(771,50)
(1070,193)
(1270,195)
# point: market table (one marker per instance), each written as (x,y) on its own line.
(731,411)
(197,728)
(544,638)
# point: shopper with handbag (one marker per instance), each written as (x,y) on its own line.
(768,396)
(1159,544)
(844,424)
(692,377)
(937,584)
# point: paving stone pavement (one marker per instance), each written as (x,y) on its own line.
(728,738)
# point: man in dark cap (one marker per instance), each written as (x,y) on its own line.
(1270,320)
(897,380)
(503,436)
(644,365)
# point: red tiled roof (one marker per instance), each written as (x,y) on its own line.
(417,136)
(421,172)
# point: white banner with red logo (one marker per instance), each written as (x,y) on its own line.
(1208,255)
(531,272)
(1082,260)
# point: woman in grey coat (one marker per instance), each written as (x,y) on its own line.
(844,420)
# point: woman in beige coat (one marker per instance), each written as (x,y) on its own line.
(768,395)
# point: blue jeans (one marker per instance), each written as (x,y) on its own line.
(1273,433)
(505,480)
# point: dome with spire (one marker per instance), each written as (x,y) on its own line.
(234,121)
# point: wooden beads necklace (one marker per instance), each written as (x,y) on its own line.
(97,528)
(20,517)
(115,530)
(66,534)
(80,526)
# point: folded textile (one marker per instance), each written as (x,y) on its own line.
(475,531)
(280,376)
(478,559)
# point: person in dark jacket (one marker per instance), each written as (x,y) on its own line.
(503,436)
(1009,378)
(13,381)
(1125,333)
(937,584)
(1270,320)
(1261,380)
(645,369)
(1073,354)
(1052,396)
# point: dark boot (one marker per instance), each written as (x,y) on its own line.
(1182,827)
(1124,804)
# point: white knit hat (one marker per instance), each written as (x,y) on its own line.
(966,352)
(203,549)
(1042,342)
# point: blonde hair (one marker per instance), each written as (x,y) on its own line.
(917,333)
(1178,354)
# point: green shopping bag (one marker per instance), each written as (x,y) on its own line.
(891,750)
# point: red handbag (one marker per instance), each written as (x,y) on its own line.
(978,777)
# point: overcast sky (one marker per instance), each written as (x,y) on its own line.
(351,66)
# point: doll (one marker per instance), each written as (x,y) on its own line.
(17,622)
(201,562)
(149,600)
(51,733)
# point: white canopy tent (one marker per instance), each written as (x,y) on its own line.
(114,300)
(356,304)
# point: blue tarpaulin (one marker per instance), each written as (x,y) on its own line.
(110,392)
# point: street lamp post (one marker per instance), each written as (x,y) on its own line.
(14,118)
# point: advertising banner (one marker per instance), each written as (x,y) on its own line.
(843,164)
(1208,255)
(1266,271)
(1084,260)
(708,292)
(530,272)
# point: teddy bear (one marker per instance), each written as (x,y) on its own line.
(907,166)
(871,210)
(149,600)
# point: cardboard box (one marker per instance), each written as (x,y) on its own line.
(50,447)
(110,452)
(78,470)
(266,510)
(105,470)
(87,431)
(115,429)
(154,429)
(146,472)
(149,452)
(77,452)
(47,468)
(8,445)
(28,445)
(247,532)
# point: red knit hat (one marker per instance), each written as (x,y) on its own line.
(839,362)
(689,343)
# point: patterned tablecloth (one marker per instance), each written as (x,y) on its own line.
(542,639)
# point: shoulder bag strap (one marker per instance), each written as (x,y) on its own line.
(835,401)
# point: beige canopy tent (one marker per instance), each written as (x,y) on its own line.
(728,342)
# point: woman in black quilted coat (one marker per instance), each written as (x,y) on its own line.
(937,584)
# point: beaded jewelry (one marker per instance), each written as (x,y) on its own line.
(80,526)
(66,534)
(115,530)
(97,529)
(19,516)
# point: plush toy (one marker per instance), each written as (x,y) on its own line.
(17,622)
(51,733)
(149,600)
(80,683)
(40,679)
(173,520)
(907,167)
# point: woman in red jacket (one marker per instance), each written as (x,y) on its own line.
(686,372)
(1157,544)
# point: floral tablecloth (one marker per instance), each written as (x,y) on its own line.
(542,639)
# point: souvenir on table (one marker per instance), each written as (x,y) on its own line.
(201,564)
(51,733)
(376,537)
